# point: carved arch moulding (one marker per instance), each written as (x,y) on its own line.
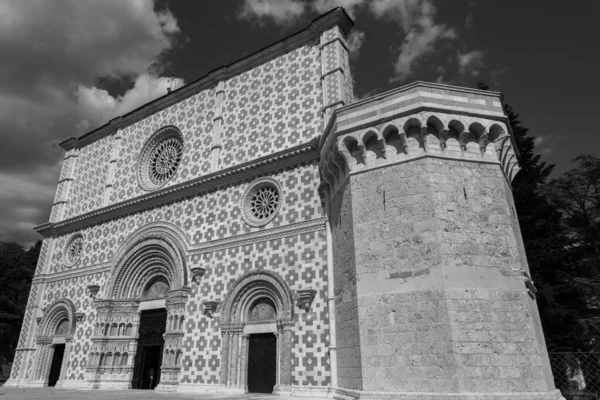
(162,242)
(149,271)
(258,288)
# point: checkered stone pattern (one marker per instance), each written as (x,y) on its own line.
(201,344)
(75,290)
(194,118)
(300,259)
(205,218)
(274,106)
(218,215)
(28,320)
(89,178)
(42,259)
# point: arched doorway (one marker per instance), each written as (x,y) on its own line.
(147,290)
(57,328)
(256,323)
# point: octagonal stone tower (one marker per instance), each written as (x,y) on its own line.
(433,295)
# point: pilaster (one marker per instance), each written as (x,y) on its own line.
(61,199)
(336,80)
(217,123)
(110,179)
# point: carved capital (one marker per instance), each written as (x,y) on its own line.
(305,298)
(210,307)
(79,317)
(93,290)
(232,328)
(197,273)
(285,324)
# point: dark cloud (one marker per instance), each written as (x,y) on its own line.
(52,55)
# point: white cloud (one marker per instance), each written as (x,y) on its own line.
(355,41)
(52,56)
(470,63)
(279,11)
(416,18)
(351,6)
(97,105)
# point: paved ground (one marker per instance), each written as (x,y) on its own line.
(68,394)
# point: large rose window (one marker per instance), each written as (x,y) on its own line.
(160,158)
(74,250)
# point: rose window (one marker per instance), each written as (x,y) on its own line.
(264,202)
(74,251)
(160,158)
(164,160)
(261,202)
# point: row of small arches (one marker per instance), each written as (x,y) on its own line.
(108,359)
(175,323)
(172,358)
(114,329)
(411,136)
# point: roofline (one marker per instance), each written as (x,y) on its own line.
(415,84)
(335,17)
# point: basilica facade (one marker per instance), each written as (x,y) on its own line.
(259,230)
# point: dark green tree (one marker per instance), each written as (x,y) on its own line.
(551,252)
(17,267)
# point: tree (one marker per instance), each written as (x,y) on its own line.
(576,194)
(551,252)
(17,267)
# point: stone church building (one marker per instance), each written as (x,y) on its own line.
(261,230)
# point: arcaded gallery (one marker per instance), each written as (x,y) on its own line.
(261,230)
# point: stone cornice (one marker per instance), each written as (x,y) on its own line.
(336,17)
(265,165)
(332,130)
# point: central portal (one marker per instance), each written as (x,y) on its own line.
(148,358)
(262,358)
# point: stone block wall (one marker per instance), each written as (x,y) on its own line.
(434,239)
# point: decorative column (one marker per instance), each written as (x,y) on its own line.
(44,355)
(217,122)
(232,362)
(225,342)
(284,350)
(234,358)
(244,364)
(114,154)
(171,363)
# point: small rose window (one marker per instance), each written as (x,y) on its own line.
(261,202)
(74,250)
(160,158)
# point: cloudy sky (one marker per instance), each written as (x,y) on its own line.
(67,66)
